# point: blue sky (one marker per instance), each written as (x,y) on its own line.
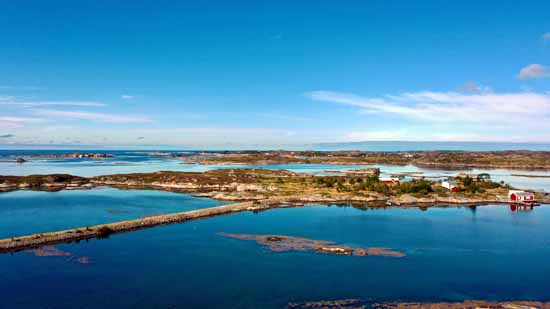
(249,73)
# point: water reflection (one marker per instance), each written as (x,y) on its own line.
(522,207)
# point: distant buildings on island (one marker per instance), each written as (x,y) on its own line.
(90,155)
(25,158)
(450,184)
(454,184)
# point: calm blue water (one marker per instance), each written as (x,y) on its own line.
(452,254)
(29,212)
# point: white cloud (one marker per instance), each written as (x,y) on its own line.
(534,71)
(6,98)
(409,135)
(473,87)
(91,116)
(11,100)
(127,97)
(220,131)
(285,117)
(16,122)
(21,87)
(525,108)
(546,36)
(389,135)
(51,103)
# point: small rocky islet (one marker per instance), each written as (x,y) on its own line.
(283,243)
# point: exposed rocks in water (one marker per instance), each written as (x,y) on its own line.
(84,260)
(467,304)
(281,243)
(49,251)
(328,304)
(20,160)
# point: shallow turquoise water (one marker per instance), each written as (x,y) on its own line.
(487,252)
(29,212)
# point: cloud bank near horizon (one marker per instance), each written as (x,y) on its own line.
(447,107)
(451,116)
(91,116)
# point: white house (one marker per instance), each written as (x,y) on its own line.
(449,184)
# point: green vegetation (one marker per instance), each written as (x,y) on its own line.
(470,185)
(419,187)
(352,184)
